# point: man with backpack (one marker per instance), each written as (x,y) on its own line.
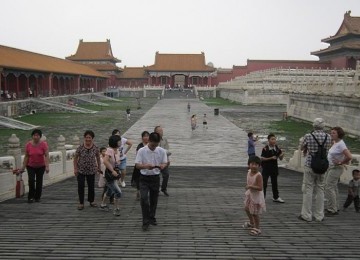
(315,146)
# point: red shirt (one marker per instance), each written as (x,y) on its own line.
(36,154)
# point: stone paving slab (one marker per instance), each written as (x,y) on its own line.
(201,219)
(222,144)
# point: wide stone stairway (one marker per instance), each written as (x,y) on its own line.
(201,219)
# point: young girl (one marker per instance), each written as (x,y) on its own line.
(193,122)
(102,181)
(254,196)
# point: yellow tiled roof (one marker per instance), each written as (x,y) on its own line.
(179,62)
(350,25)
(133,73)
(93,51)
(16,59)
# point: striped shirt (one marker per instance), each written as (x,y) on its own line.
(311,145)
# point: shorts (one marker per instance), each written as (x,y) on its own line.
(122,165)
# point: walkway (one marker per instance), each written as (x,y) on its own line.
(222,144)
(201,219)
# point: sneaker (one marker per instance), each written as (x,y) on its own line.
(123,184)
(104,207)
(279,200)
(331,214)
(117,212)
(303,219)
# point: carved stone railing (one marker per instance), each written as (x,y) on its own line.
(61,164)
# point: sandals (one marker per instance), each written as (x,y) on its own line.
(80,206)
(255,232)
(247,225)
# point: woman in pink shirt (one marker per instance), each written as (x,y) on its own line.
(36,162)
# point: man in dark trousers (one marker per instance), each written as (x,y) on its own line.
(150,160)
(269,157)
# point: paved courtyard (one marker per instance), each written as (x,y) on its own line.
(201,219)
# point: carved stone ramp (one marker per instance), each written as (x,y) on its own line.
(84,100)
(15,124)
(62,106)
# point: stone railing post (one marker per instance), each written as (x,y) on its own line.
(76,141)
(62,149)
(15,150)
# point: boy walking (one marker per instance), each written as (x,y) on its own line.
(269,157)
(353,191)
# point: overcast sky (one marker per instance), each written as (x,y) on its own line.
(228,31)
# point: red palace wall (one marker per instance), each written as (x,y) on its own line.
(339,63)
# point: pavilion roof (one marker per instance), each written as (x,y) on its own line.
(12,58)
(353,45)
(133,73)
(349,26)
(104,67)
(88,51)
(180,62)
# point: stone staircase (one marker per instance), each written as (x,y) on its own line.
(15,124)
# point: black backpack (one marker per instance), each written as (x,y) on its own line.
(319,161)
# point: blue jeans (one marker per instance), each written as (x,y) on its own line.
(113,189)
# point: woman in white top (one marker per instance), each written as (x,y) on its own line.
(338,156)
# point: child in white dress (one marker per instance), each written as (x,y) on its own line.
(254,196)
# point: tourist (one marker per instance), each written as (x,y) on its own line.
(112,174)
(123,151)
(251,144)
(338,157)
(150,160)
(254,196)
(36,162)
(165,171)
(188,107)
(128,113)
(269,163)
(205,124)
(313,180)
(86,165)
(136,173)
(353,191)
(193,122)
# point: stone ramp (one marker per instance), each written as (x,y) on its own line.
(222,144)
(61,106)
(92,102)
(201,219)
(15,124)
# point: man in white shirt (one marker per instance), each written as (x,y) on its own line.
(150,160)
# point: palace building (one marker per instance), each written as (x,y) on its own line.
(182,70)
(344,49)
(25,74)
(99,56)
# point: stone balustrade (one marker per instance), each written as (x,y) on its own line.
(61,164)
(297,161)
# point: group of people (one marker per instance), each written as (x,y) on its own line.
(324,183)
(193,120)
(110,164)
(152,159)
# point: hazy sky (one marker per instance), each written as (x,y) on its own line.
(228,31)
